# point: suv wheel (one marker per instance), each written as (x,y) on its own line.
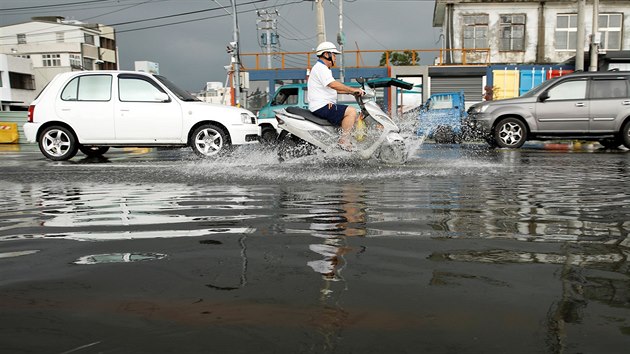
(58,143)
(209,140)
(625,134)
(510,133)
(611,143)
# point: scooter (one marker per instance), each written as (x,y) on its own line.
(303,133)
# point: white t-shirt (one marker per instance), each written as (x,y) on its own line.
(319,94)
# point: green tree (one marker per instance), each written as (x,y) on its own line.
(400,58)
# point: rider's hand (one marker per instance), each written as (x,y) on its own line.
(359,92)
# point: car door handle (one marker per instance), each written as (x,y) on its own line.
(579,104)
(626,103)
(124,110)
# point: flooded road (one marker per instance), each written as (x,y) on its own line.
(461,250)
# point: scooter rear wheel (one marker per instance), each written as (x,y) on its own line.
(291,147)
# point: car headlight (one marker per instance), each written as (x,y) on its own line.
(247,119)
(479,109)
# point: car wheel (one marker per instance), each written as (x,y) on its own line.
(58,143)
(268,136)
(510,133)
(93,151)
(209,140)
(625,134)
(444,135)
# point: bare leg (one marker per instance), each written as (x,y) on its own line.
(347,123)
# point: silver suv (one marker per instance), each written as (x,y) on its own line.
(584,105)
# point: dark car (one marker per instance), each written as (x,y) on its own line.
(584,105)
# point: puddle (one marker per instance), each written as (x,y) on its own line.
(119,258)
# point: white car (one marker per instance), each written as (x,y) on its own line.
(94,110)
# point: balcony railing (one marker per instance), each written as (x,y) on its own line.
(368,58)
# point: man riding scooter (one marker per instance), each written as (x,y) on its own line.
(322,94)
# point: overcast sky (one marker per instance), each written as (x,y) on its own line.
(190,49)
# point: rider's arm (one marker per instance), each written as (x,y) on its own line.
(341,88)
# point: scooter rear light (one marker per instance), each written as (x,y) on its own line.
(280,121)
(31,113)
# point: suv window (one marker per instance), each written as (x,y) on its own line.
(88,88)
(568,90)
(137,89)
(609,88)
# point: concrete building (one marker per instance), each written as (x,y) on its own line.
(214,92)
(56,45)
(526,31)
(17,83)
(147,67)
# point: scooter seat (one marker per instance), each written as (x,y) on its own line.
(308,115)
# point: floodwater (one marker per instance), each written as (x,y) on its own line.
(461,250)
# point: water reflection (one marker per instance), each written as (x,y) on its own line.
(589,274)
(119,211)
(126,257)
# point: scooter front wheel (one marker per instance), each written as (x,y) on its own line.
(393,153)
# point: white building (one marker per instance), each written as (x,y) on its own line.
(147,67)
(56,45)
(526,31)
(214,92)
(17,83)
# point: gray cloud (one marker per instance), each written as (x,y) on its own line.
(193,52)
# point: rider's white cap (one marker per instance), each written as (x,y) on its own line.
(324,47)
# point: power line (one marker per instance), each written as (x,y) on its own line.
(55,5)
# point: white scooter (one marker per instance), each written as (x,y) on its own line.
(302,133)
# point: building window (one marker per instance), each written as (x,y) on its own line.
(51,60)
(512,33)
(60,37)
(476,31)
(610,27)
(566,32)
(88,38)
(75,61)
(21,38)
(88,64)
(21,81)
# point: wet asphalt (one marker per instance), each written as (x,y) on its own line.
(463,249)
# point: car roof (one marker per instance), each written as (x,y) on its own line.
(598,73)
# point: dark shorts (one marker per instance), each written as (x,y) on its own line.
(332,113)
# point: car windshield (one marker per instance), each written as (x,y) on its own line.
(536,90)
(181,94)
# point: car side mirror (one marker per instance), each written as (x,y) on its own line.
(161,97)
(543,96)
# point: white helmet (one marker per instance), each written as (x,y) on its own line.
(324,47)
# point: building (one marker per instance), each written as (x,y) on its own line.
(526,31)
(214,92)
(147,67)
(17,83)
(55,45)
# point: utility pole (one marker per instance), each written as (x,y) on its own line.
(267,24)
(594,37)
(321,24)
(341,40)
(579,49)
(235,59)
